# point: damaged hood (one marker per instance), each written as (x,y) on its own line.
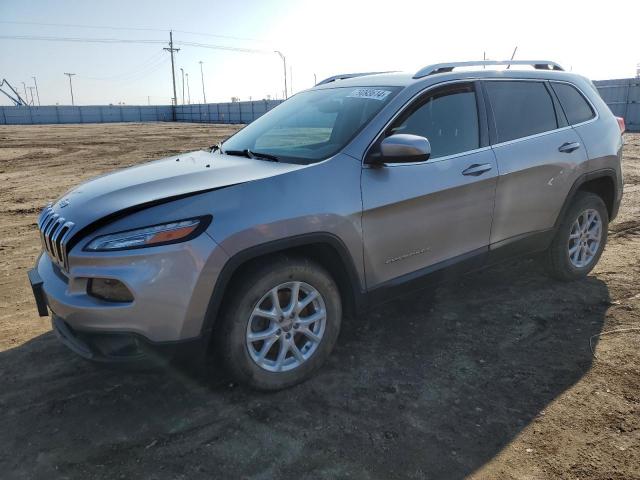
(171,177)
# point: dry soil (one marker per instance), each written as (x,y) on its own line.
(490,376)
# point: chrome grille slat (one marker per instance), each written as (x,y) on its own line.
(48,229)
(45,222)
(63,244)
(55,232)
(57,226)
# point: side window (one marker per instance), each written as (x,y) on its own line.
(575,107)
(449,120)
(520,109)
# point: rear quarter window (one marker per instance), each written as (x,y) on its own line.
(520,108)
(575,106)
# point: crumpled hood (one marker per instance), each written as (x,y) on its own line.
(176,176)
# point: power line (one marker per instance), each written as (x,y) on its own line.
(125,40)
(142,29)
(136,76)
(230,37)
(75,25)
(225,47)
(78,39)
(154,60)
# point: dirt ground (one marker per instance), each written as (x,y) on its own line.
(490,376)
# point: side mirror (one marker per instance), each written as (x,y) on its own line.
(402,147)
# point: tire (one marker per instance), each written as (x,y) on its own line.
(560,263)
(240,318)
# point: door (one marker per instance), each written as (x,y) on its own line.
(418,215)
(538,156)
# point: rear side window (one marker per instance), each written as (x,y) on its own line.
(521,109)
(449,120)
(575,106)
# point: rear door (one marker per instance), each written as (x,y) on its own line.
(423,214)
(538,156)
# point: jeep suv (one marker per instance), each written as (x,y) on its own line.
(361,188)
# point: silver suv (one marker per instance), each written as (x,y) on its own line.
(361,188)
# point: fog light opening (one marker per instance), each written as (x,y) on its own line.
(109,290)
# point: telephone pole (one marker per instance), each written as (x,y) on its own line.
(37,93)
(188,91)
(173,72)
(70,85)
(284,64)
(512,56)
(31,91)
(24,85)
(204,97)
(182,70)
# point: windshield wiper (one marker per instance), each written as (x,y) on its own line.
(250,154)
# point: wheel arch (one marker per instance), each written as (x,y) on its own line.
(602,183)
(323,247)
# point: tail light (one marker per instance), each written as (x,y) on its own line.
(621,124)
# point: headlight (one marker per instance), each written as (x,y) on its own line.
(173,232)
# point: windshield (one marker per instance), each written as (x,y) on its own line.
(312,125)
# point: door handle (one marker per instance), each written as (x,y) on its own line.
(477,169)
(568,147)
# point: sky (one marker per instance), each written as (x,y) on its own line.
(318,39)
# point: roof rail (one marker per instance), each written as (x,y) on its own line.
(344,76)
(448,67)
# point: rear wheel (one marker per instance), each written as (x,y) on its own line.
(281,323)
(580,239)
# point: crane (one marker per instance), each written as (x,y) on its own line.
(17,99)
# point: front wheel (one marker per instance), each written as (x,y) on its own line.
(281,323)
(580,239)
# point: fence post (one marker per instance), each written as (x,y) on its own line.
(4,116)
(626,102)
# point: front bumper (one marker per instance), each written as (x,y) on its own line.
(171,286)
(125,348)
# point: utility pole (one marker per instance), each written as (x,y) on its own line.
(315,80)
(182,84)
(70,85)
(24,85)
(512,56)
(284,64)
(204,97)
(173,72)
(31,90)
(291,79)
(37,93)
(188,91)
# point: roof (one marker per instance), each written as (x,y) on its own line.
(444,72)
